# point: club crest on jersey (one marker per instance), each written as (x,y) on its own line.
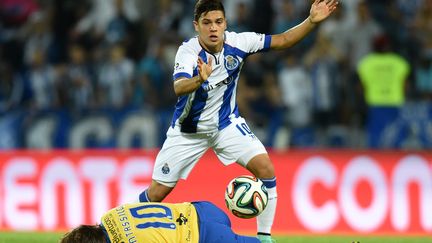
(165,169)
(231,62)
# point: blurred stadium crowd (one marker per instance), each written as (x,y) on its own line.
(69,68)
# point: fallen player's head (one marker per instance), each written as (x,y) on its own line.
(85,234)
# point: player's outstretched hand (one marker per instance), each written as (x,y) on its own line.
(321,9)
(204,69)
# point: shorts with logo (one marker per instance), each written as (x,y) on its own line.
(181,151)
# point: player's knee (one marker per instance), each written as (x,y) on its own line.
(266,172)
(261,168)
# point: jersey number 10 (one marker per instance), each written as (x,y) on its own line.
(150,219)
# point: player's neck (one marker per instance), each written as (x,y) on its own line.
(214,49)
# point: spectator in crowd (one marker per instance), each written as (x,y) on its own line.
(322,61)
(296,94)
(115,78)
(231,8)
(383,75)
(76,81)
(337,30)
(119,27)
(42,79)
(366,30)
(409,9)
(286,16)
(38,36)
(102,12)
(154,79)
(241,20)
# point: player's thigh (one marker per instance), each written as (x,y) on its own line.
(207,211)
(237,143)
(178,156)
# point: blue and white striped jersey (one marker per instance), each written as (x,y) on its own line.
(210,107)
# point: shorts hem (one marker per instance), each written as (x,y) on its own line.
(246,157)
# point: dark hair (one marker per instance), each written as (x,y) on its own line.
(382,43)
(205,6)
(85,234)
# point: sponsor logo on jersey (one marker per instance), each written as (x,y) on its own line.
(178,67)
(226,81)
(181,219)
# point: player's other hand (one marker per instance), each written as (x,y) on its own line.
(321,9)
(205,69)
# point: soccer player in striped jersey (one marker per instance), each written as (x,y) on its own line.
(160,222)
(206,72)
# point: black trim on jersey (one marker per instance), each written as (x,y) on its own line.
(107,239)
(217,59)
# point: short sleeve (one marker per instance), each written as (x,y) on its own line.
(185,62)
(252,42)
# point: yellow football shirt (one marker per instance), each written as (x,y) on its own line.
(152,222)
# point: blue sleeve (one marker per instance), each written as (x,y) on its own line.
(267,42)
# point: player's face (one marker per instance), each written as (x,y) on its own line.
(210,27)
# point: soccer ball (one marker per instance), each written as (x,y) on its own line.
(246,196)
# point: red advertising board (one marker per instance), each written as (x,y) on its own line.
(319,191)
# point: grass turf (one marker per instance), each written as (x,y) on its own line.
(36,237)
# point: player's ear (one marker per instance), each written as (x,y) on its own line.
(195,23)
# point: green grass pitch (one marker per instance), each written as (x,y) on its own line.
(26,237)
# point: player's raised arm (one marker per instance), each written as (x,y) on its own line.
(184,85)
(319,11)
